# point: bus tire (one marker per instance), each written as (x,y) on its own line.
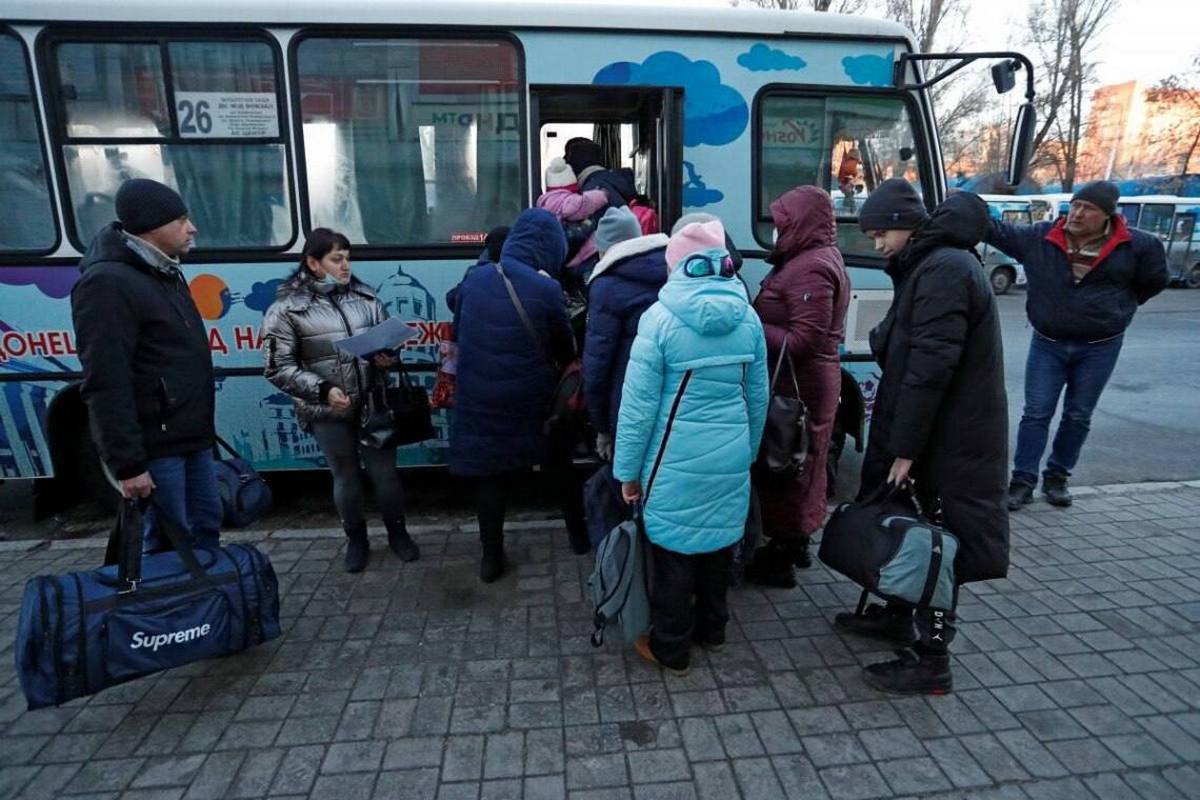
(1193,278)
(1002,279)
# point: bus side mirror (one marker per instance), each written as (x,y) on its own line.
(1004,75)
(1021,146)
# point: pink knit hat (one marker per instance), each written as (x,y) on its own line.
(694,238)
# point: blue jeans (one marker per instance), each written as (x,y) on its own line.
(1083,368)
(186,486)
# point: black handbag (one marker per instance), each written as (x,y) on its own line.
(395,415)
(784,449)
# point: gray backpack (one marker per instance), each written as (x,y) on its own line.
(620,579)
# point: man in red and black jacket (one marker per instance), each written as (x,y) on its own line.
(1087,274)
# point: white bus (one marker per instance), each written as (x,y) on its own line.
(414,128)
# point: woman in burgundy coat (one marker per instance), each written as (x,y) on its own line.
(803,301)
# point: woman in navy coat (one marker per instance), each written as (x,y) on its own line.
(505,379)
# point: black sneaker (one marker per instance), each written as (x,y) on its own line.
(877,622)
(911,673)
(1019,494)
(1055,489)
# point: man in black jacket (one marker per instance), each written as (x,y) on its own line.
(940,418)
(147,369)
(1087,273)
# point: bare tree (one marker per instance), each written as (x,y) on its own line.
(1183,88)
(939,25)
(834,6)
(1064,33)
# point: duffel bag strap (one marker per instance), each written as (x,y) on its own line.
(935,567)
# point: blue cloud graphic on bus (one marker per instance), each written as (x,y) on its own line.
(869,70)
(761,58)
(695,192)
(713,112)
(262,294)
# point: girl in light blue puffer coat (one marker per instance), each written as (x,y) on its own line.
(697,376)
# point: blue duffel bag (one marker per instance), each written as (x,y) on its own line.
(85,631)
(245,496)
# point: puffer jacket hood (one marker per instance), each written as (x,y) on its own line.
(711,306)
(804,219)
(109,246)
(537,241)
(961,221)
(620,259)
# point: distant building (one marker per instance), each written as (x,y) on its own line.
(1134,130)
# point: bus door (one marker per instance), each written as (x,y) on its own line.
(640,128)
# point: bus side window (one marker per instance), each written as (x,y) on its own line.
(846,145)
(411,141)
(213,132)
(27,222)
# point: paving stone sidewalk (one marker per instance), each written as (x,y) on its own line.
(1077,677)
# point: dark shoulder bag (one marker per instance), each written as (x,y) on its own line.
(566,411)
(784,448)
(395,415)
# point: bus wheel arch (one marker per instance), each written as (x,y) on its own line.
(74,455)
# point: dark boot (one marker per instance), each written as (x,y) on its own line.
(1020,494)
(491,564)
(913,672)
(892,624)
(801,557)
(1054,486)
(578,536)
(357,549)
(772,566)
(400,542)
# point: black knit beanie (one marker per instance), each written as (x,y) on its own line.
(893,206)
(143,205)
(495,242)
(1102,194)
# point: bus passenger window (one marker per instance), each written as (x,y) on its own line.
(217,122)
(411,141)
(27,223)
(1156,219)
(846,145)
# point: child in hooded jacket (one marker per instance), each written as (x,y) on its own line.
(563,199)
(693,407)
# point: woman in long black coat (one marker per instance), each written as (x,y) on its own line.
(940,416)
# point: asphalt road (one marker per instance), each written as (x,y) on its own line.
(1146,428)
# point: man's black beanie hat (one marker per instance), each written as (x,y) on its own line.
(893,206)
(143,205)
(1102,194)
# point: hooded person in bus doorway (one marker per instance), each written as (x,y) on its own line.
(506,379)
(940,420)
(1087,274)
(692,414)
(147,369)
(802,304)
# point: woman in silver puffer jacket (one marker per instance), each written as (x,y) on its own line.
(320,304)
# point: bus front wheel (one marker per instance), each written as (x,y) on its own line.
(1193,278)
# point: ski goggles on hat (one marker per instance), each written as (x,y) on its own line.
(708,263)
